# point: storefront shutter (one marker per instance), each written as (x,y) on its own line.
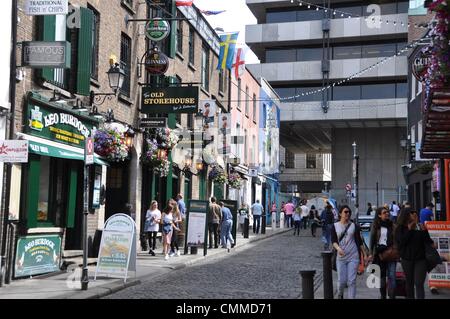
(84,52)
(48,34)
(72,200)
(34,170)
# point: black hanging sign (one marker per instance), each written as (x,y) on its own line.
(156,62)
(170,100)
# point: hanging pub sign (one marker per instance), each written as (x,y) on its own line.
(420,64)
(157,29)
(156,62)
(170,100)
(42,7)
(153,122)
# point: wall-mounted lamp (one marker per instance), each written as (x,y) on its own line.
(129,136)
(199,165)
(79,107)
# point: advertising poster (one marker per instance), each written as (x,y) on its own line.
(208,110)
(37,255)
(440,233)
(224,136)
(117,254)
(196,229)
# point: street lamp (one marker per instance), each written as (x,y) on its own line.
(116,77)
(355,174)
(199,165)
(129,136)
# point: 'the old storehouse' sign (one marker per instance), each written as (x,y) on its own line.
(170,100)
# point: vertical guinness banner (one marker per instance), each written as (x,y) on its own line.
(170,100)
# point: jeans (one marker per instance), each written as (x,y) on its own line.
(213,232)
(297,227)
(152,240)
(225,232)
(415,273)
(256,223)
(289,221)
(305,222)
(347,271)
(387,270)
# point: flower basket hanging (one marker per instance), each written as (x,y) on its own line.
(156,158)
(110,143)
(235,180)
(217,175)
(166,138)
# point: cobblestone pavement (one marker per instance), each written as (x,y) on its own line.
(264,269)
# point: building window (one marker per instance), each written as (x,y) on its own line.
(191,45)
(125,63)
(290,159)
(180,34)
(311,161)
(245,148)
(221,81)
(253,150)
(254,108)
(413,135)
(95,42)
(239,94)
(205,67)
(247,101)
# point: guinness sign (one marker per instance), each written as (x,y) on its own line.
(156,62)
(420,64)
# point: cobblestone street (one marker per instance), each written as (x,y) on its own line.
(265,269)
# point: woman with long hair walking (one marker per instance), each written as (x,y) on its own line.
(167,229)
(152,220)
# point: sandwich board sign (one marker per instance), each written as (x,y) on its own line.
(117,253)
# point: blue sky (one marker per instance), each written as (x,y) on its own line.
(236,16)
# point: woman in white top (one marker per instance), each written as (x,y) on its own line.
(152,220)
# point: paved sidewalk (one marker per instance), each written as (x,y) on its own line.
(66,285)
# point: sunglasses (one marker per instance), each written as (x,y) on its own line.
(385,212)
(346,211)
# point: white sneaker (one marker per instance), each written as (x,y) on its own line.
(178,254)
(166,257)
(171,254)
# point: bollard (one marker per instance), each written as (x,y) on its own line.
(246,227)
(281,220)
(307,283)
(274,221)
(327,275)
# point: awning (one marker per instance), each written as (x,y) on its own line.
(45,147)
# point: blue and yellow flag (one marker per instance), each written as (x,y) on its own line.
(227,48)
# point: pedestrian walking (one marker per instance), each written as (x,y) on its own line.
(327,219)
(304,214)
(346,239)
(181,206)
(274,209)
(257,211)
(384,251)
(297,220)
(394,209)
(167,229)
(314,220)
(411,239)
(177,220)
(243,214)
(226,226)
(369,209)
(214,218)
(152,220)
(289,208)
(426,214)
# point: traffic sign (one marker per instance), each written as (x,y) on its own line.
(348,187)
(89,151)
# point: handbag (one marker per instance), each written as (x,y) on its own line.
(334,255)
(432,257)
(390,254)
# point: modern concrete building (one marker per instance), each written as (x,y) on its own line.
(305,47)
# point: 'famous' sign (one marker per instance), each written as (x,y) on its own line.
(170,100)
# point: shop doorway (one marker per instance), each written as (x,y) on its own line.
(117,189)
(74,234)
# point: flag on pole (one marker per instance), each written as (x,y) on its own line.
(210,12)
(227,46)
(238,67)
(186,3)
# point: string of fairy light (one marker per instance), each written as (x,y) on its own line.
(373,18)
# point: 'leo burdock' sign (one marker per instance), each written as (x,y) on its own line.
(46,7)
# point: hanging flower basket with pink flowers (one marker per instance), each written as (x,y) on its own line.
(110,143)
